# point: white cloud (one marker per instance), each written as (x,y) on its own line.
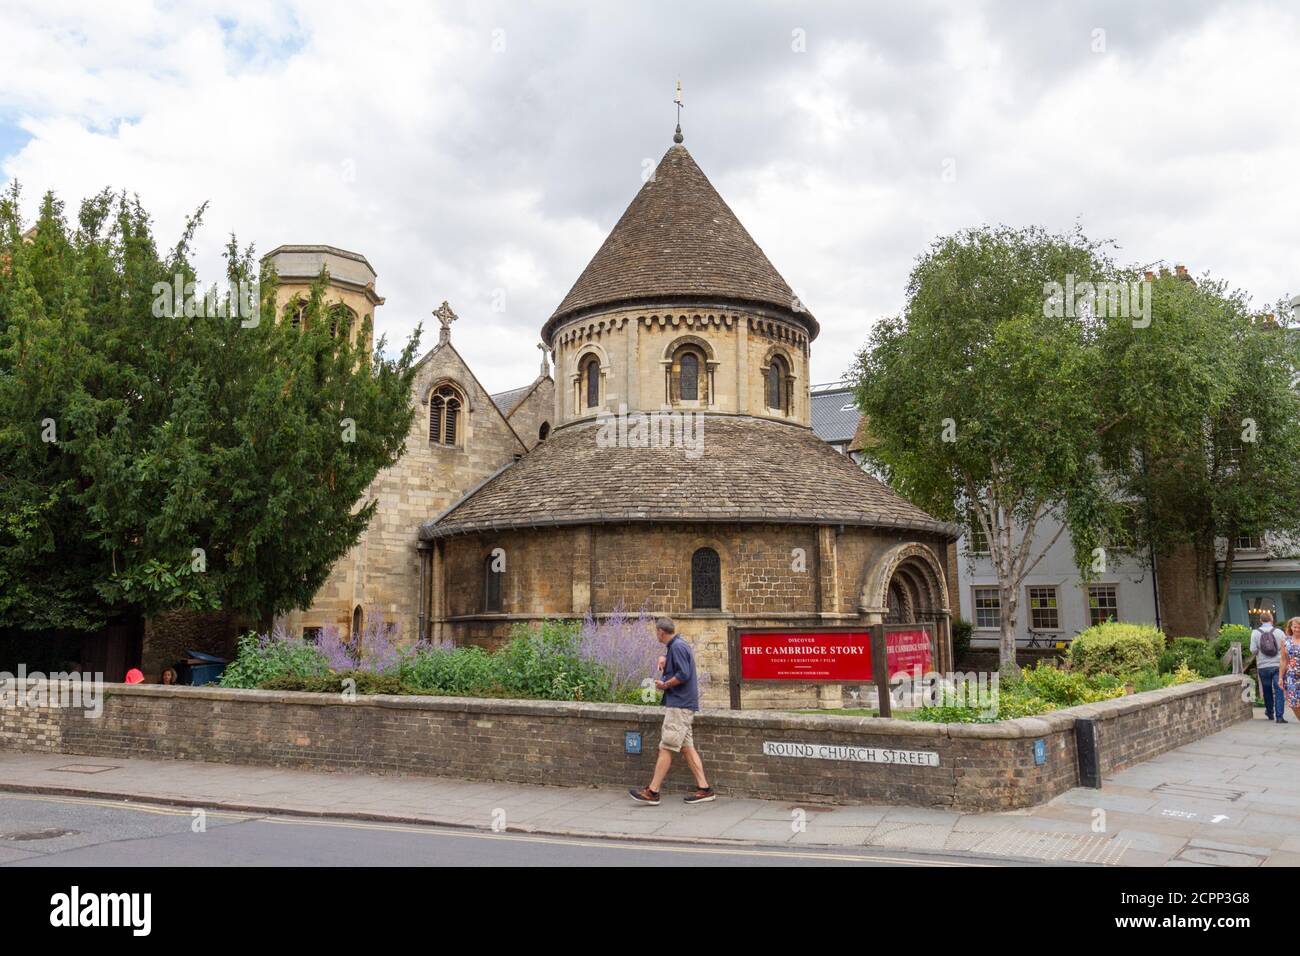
(484,176)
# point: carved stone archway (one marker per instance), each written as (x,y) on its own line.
(907,585)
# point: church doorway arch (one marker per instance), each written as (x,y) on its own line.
(908,586)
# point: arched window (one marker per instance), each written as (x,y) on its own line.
(544,432)
(688,382)
(491,585)
(591,381)
(341,321)
(298,315)
(358,619)
(706,580)
(445,406)
(776,384)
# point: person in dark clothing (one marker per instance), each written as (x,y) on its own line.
(681,700)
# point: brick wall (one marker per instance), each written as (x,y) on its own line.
(981,766)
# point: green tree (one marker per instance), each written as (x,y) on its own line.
(199,460)
(1207,429)
(981,401)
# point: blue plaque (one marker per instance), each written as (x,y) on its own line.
(632,742)
(1040,752)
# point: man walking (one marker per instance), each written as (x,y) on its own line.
(1266,645)
(681,701)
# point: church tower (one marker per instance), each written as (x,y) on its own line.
(681,309)
(352,295)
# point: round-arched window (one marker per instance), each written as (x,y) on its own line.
(445,406)
(591,381)
(544,432)
(689,382)
(706,580)
(492,584)
(776,384)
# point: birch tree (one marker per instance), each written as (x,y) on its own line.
(981,401)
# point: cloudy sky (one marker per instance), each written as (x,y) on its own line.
(479,152)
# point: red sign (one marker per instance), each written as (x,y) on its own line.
(828,656)
(906,650)
(806,656)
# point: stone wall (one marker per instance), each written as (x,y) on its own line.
(979,766)
(382,571)
(633,346)
(566,572)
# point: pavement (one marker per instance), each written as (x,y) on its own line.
(1231,799)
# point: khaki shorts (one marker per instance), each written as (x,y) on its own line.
(677,729)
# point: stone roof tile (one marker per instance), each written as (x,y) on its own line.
(678,239)
(751,469)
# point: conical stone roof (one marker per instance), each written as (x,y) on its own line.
(679,241)
(742,470)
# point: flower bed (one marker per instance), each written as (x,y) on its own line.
(609,660)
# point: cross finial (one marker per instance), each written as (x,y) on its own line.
(445,316)
(677,136)
(546,366)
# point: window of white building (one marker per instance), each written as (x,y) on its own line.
(1103,603)
(988,609)
(1044,615)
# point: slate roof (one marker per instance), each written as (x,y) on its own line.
(678,240)
(750,470)
(506,401)
(830,419)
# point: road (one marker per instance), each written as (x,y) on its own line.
(37,830)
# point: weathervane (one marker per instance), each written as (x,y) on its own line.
(444,315)
(677,136)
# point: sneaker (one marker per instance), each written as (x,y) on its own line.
(701,795)
(644,795)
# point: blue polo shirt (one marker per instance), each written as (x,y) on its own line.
(680,663)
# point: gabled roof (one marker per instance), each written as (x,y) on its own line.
(746,470)
(679,241)
(509,400)
(473,378)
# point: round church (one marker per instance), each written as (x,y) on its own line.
(675,469)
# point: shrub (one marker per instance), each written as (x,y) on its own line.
(545,664)
(1185,675)
(367,682)
(445,669)
(376,649)
(624,646)
(1118,649)
(1067,688)
(1150,679)
(961,635)
(1227,635)
(264,657)
(1192,652)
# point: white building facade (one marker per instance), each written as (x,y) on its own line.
(1055,603)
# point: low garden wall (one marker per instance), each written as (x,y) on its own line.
(806,758)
